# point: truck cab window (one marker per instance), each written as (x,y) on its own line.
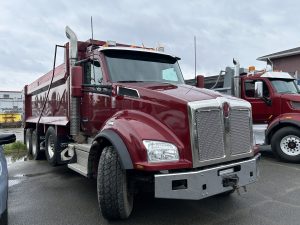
(250,89)
(169,75)
(141,66)
(284,86)
(93,73)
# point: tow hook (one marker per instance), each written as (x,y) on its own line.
(232,181)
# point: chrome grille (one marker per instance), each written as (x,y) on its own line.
(240,131)
(215,138)
(210,134)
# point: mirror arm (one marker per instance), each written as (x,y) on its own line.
(104,92)
(82,61)
(267,100)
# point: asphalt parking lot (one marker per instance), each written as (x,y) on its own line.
(40,194)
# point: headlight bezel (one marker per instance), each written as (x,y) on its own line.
(159,151)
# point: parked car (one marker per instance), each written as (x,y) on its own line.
(4,139)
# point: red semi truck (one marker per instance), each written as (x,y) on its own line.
(275,101)
(123,115)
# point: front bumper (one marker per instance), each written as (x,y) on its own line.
(201,184)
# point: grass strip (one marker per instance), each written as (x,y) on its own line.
(15,147)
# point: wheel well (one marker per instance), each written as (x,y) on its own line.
(278,127)
(42,127)
(95,153)
(29,125)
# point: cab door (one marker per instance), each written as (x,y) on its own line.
(95,107)
(262,110)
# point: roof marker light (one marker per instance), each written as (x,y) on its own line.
(160,49)
(111,43)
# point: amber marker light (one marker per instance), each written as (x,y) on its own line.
(251,68)
(140,167)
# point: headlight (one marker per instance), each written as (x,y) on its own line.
(159,151)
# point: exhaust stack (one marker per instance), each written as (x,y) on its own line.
(74,101)
(236,79)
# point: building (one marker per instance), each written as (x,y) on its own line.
(286,61)
(11,101)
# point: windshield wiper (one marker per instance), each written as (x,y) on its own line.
(129,81)
(288,92)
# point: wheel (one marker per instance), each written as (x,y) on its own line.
(4,217)
(286,144)
(36,152)
(51,146)
(114,197)
(28,140)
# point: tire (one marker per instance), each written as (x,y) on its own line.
(35,141)
(28,140)
(285,144)
(115,200)
(52,146)
(4,218)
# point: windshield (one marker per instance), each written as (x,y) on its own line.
(284,86)
(135,66)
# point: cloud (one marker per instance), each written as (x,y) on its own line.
(224,29)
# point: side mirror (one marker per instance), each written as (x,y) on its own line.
(76,81)
(200,81)
(258,89)
(7,138)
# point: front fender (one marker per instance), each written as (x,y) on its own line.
(133,127)
(284,120)
(119,145)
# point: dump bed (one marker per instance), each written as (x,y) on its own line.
(56,108)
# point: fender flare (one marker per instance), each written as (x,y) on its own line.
(119,146)
(277,125)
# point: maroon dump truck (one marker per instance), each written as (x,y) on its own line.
(275,100)
(122,114)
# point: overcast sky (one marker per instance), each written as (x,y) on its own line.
(224,29)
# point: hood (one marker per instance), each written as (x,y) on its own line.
(292,97)
(182,92)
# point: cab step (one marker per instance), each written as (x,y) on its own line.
(82,153)
(78,168)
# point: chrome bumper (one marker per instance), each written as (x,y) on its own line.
(201,184)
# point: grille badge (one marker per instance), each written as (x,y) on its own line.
(226,109)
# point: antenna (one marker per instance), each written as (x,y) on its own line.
(92,29)
(271,63)
(195,51)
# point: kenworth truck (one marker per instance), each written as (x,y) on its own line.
(123,115)
(275,100)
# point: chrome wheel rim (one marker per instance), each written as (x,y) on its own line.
(27,142)
(50,146)
(34,141)
(290,145)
